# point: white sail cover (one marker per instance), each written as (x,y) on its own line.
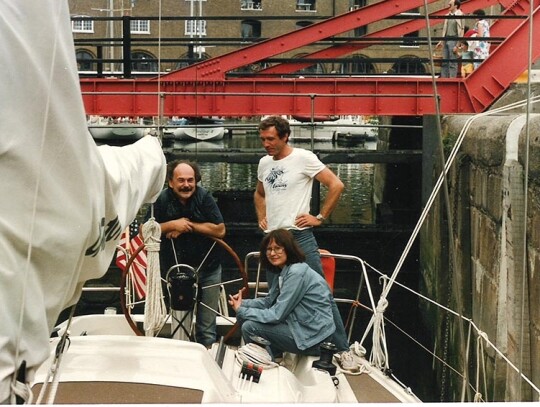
(63,201)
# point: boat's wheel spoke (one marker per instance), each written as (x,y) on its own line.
(129,303)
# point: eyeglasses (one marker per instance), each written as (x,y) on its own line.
(276,250)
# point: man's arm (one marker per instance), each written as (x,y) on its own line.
(335,188)
(260,205)
(174,228)
(210,229)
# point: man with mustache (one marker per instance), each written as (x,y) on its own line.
(185,211)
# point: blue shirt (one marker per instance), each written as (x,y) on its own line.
(304,302)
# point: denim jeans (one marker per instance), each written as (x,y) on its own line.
(280,337)
(307,242)
(449,68)
(205,329)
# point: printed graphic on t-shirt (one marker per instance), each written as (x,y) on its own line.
(275,179)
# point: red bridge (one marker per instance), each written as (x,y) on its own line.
(206,89)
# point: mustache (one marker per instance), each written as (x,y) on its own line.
(186,189)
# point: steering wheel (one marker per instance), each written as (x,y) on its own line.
(128,301)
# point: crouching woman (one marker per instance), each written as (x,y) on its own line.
(296,315)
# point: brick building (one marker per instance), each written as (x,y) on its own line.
(173,33)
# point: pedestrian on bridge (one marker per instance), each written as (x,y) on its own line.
(452,30)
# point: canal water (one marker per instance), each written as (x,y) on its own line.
(355,206)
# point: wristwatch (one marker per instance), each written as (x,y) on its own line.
(320,217)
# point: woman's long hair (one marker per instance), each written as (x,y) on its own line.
(285,239)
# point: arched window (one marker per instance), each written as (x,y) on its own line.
(250,30)
(314,69)
(187,59)
(360,65)
(408,65)
(143,62)
(84,60)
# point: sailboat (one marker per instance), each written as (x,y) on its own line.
(101,358)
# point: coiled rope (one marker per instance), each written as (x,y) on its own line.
(155,311)
(253,353)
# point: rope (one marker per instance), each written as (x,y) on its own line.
(155,311)
(379,351)
(22,391)
(480,365)
(253,353)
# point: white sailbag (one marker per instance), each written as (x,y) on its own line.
(63,200)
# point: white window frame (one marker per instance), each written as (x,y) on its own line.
(138,26)
(82,26)
(190,29)
(250,5)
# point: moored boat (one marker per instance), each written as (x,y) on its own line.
(107,128)
(194,130)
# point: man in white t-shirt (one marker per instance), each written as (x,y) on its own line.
(285,181)
(283,194)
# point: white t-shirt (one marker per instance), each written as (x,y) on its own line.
(287,186)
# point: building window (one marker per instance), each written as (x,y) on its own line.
(250,30)
(360,65)
(250,4)
(84,60)
(356,4)
(82,26)
(143,62)
(306,5)
(314,69)
(140,26)
(195,27)
(408,65)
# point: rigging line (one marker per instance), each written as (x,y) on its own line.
(468,320)
(442,361)
(452,276)
(433,195)
(40,162)
(438,184)
(160,99)
(503,356)
(524,262)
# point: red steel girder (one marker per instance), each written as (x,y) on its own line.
(399,96)
(216,68)
(175,94)
(490,80)
(500,28)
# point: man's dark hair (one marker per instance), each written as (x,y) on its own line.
(479,13)
(173,164)
(457,3)
(282,125)
(285,239)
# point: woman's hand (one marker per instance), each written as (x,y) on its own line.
(235,300)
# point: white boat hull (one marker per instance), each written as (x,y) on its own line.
(195,133)
(107,364)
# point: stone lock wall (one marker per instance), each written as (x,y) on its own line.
(495,280)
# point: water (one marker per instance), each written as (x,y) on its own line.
(355,206)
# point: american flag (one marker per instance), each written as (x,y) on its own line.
(137,270)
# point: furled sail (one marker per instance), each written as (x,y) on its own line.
(63,200)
